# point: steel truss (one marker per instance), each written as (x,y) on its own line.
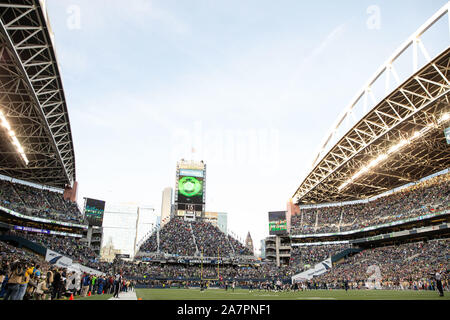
(32,97)
(419,103)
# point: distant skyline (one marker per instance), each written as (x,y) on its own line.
(251,87)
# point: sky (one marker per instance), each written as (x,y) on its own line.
(250,87)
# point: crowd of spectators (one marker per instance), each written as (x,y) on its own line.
(428,196)
(195,272)
(238,248)
(142,271)
(8,193)
(71,247)
(407,266)
(400,267)
(79,252)
(302,257)
(27,276)
(174,238)
(304,223)
(186,238)
(37,202)
(210,240)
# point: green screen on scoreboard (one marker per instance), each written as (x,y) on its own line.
(190,187)
(278,223)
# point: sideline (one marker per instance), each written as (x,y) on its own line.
(130,295)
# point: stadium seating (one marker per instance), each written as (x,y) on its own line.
(179,271)
(174,238)
(401,265)
(68,246)
(304,256)
(9,254)
(406,266)
(429,196)
(36,202)
(184,238)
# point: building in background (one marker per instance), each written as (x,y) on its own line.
(147,220)
(292,208)
(263,248)
(222,221)
(166,206)
(108,252)
(249,243)
(172,211)
(128,224)
(210,217)
(218,219)
(190,190)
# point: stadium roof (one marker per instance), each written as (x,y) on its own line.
(35,136)
(400,140)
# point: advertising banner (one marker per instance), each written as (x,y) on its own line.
(82,269)
(319,268)
(30,229)
(57,259)
(54,258)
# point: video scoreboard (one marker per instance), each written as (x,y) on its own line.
(94,210)
(190,189)
(278,224)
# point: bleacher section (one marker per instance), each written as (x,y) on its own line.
(192,238)
(429,196)
(406,263)
(36,202)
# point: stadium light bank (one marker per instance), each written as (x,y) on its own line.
(393,149)
(14,139)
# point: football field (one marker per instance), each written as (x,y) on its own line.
(241,294)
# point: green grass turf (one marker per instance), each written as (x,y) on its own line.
(241,294)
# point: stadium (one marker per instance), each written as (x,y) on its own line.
(369,221)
